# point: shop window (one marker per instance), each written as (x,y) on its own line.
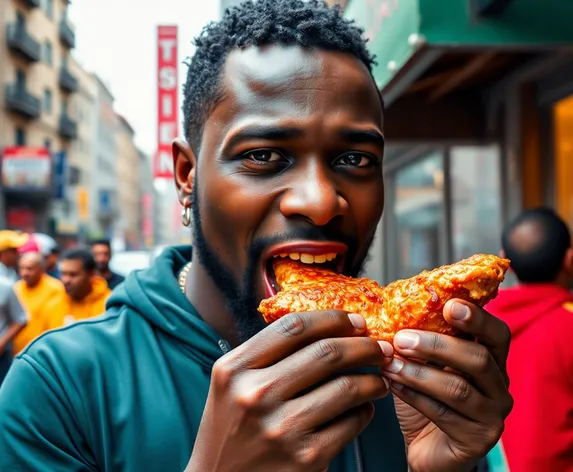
(475,199)
(419,215)
(563,126)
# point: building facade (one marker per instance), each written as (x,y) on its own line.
(35,122)
(479,109)
(71,195)
(129,186)
(103,195)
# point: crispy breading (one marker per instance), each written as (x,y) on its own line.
(414,303)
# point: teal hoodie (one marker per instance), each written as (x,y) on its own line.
(126,391)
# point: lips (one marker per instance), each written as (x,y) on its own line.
(329,255)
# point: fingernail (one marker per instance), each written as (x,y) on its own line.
(460,312)
(397,386)
(357,321)
(386,382)
(395,366)
(387,348)
(407,340)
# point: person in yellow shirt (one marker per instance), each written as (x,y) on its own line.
(35,291)
(85,293)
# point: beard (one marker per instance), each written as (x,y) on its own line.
(240,295)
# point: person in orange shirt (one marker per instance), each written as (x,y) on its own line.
(35,290)
(85,293)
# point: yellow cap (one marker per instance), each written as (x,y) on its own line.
(12,239)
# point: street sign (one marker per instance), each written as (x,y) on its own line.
(167,86)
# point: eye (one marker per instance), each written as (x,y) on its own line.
(356,159)
(263,156)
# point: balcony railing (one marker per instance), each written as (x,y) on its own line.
(68,128)
(20,42)
(22,102)
(67,35)
(31,3)
(68,82)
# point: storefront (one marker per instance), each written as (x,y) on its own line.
(479,122)
(26,188)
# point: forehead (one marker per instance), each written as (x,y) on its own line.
(292,82)
(100,247)
(72,265)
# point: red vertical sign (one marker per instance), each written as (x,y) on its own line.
(167,87)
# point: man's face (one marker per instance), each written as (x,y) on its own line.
(9,257)
(290,164)
(102,255)
(30,271)
(51,260)
(76,280)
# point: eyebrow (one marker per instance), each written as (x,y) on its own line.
(362,136)
(265,133)
(273,133)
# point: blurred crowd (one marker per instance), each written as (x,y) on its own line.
(42,288)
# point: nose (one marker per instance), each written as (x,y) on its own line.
(314,197)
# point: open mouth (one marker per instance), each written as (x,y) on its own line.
(329,256)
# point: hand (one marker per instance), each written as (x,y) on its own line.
(452,417)
(278,401)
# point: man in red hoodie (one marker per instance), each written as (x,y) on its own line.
(539,312)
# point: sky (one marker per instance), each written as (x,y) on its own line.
(116,39)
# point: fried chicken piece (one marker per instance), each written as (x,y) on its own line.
(414,303)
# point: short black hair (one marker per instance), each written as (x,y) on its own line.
(309,24)
(81,254)
(103,242)
(537,257)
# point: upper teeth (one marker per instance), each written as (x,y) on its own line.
(308,258)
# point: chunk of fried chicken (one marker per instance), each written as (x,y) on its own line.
(414,303)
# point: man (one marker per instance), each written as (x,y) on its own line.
(84,295)
(13,319)
(283,153)
(52,256)
(539,312)
(101,250)
(36,290)
(10,242)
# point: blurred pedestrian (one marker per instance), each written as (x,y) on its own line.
(52,262)
(85,292)
(539,311)
(101,251)
(10,242)
(36,291)
(13,319)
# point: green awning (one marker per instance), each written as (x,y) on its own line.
(398,29)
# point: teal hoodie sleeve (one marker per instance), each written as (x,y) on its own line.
(38,435)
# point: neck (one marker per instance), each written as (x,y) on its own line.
(105,273)
(204,295)
(34,283)
(79,299)
(563,281)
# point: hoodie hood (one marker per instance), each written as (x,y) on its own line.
(99,290)
(524,305)
(154,294)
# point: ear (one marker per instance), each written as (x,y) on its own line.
(568,261)
(184,165)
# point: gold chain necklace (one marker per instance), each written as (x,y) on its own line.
(183,276)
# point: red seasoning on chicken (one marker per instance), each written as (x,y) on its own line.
(414,303)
